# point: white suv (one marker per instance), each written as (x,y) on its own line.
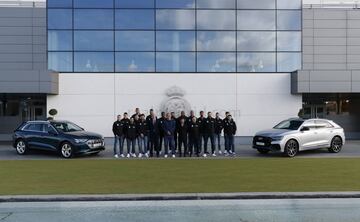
(294,135)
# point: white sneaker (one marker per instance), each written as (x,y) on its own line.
(234,153)
(230,152)
(140,155)
(147,155)
(225,152)
(116,156)
(220,152)
(166,156)
(122,155)
(128,156)
(173,156)
(204,155)
(214,155)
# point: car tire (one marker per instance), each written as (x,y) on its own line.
(263,151)
(21,147)
(291,148)
(66,150)
(336,145)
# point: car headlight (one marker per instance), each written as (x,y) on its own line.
(277,138)
(80,140)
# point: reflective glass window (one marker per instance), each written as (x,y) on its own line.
(256,62)
(216,62)
(94,62)
(216,41)
(175,40)
(175,62)
(93,3)
(94,40)
(289,4)
(256,20)
(175,3)
(134,3)
(59,40)
(289,20)
(288,62)
(175,19)
(222,4)
(134,19)
(135,41)
(256,4)
(93,19)
(60,61)
(59,3)
(135,62)
(256,41)
(289,41)
(216,19)
(59,19)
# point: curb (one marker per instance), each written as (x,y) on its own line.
(169,197)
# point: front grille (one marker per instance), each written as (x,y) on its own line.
(263,139)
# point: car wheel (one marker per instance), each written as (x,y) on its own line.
(291,148)
(336,145)
(263,151)
(21,147)
(66,150)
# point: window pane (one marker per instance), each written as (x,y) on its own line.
(288,62)
(94,40)
(175,62)
(93,4)
(216,41)
(135,41)
(256,62)
(175,19)
(93,19)
(135,62)
(60,61)
(175,41)
(59,3)
(256,20)
(286,4)
(216,19)
(256,4)
(134,19)
(59,19)
(134,4)
(175,3)
(289,41)
(289,20)
(256,41)
(60,40)
(94,62)
(216,4)
(216,62)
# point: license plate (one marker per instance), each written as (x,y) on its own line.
(97,145)
(260,143)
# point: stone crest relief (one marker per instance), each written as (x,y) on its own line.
(175,101)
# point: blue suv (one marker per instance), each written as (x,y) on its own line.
(66,138)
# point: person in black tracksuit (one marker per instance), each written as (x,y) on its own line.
(154,129)
(200,122)
(125,120)
(219,125)
(151,112)
(161,131)
(182,116)
(118,130)
(142,132)
(131,135)
(173,117)
(209,133)
(194,134)
(229,132)
(182,131)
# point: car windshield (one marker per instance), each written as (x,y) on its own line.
(289,124)
(67,127)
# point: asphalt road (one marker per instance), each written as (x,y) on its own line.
(351,149)
(289,210)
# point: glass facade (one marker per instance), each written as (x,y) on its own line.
(174,35)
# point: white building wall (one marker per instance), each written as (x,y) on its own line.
(257,101)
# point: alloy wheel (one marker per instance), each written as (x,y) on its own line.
(291,148)
(66,150)
(336,145)
(21,147)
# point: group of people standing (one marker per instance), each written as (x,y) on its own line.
(184,135)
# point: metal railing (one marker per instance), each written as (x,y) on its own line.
(28,4)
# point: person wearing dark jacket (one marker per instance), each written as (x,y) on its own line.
(137,113)
(118,130)
(173,117)
(219,125)
(142,132)
(169,127)
(131,135)
(182,131)
(154,128)
(229,132)
(161,131)
(125,121)
(194,134)
(209,133)
(151,112)
(200,122)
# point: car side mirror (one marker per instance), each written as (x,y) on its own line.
(305,128)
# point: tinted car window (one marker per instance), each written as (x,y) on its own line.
(289,124)
(323,124)
(34,127)
(67,127)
